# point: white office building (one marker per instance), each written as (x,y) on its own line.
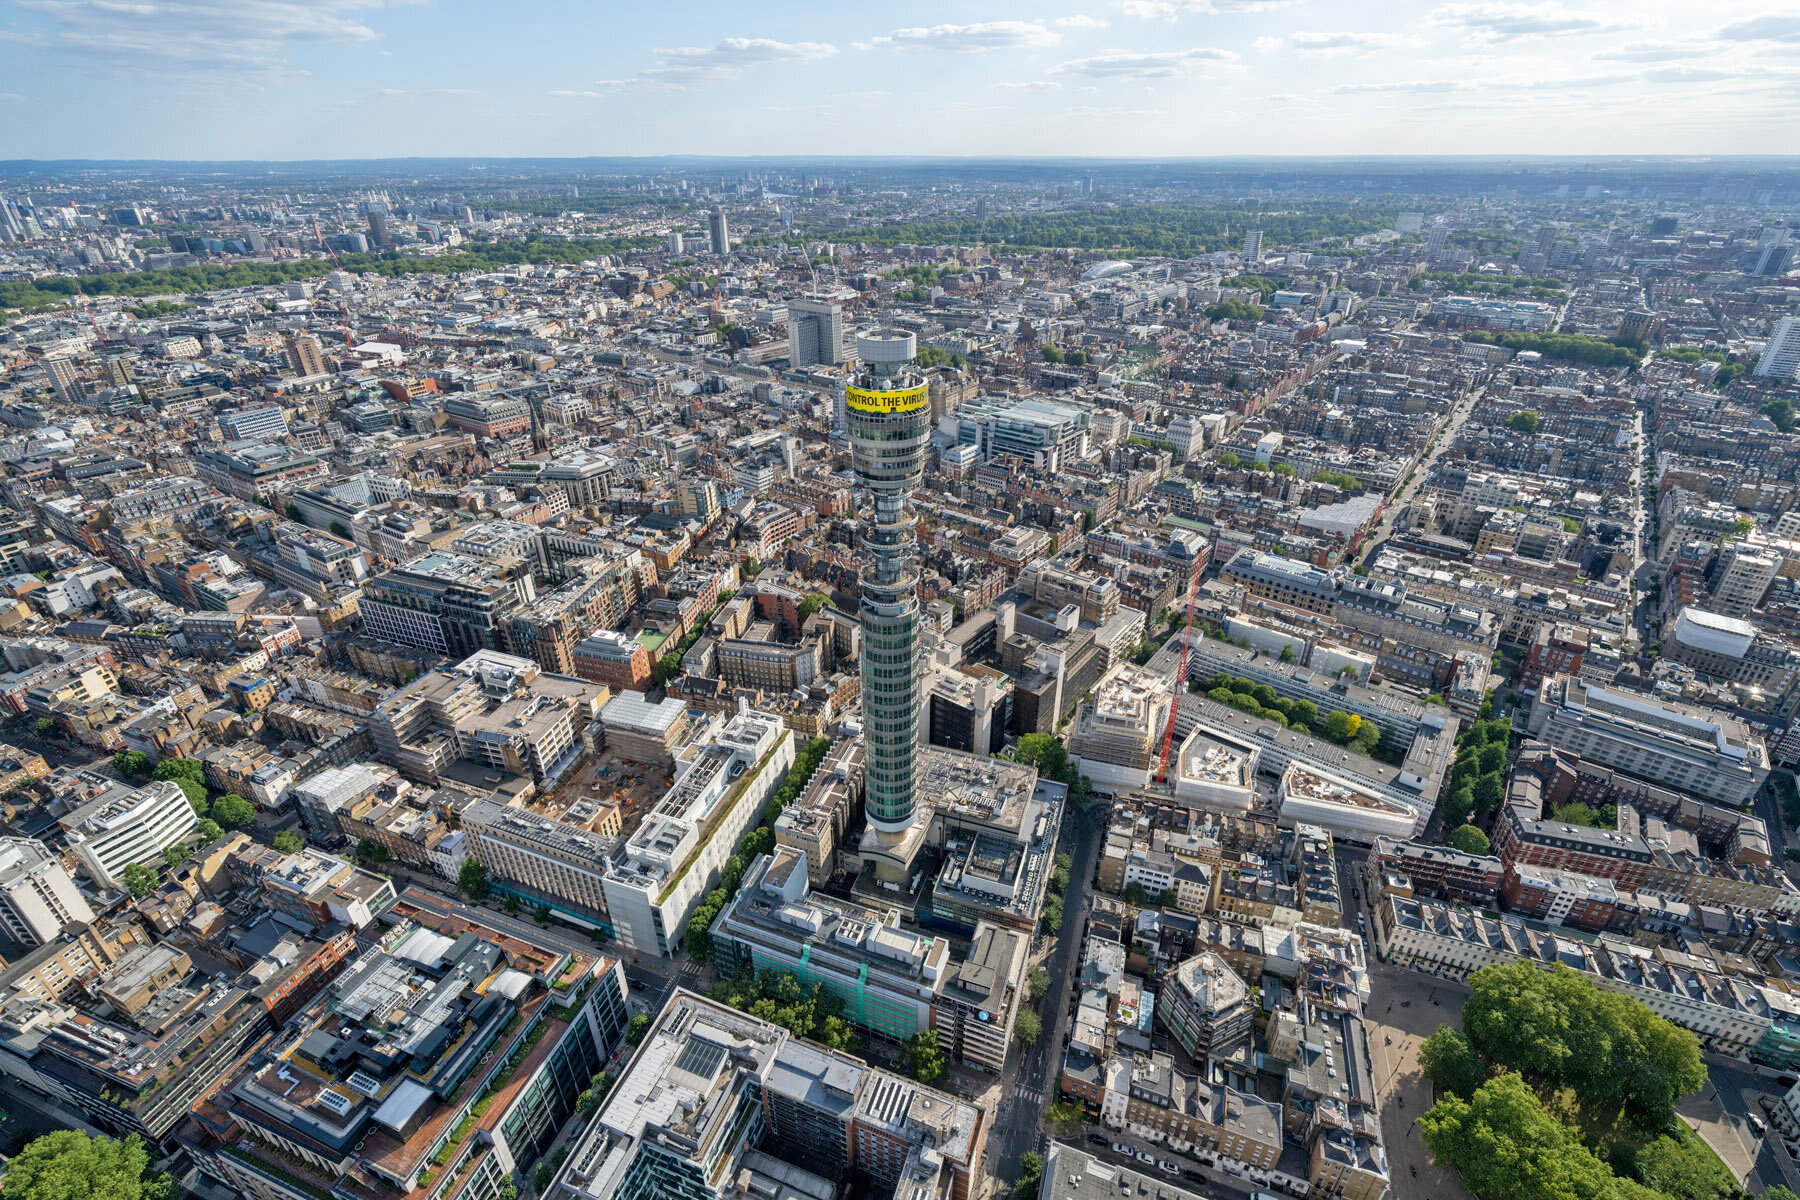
(113,832)
(1781,360)
(38,900)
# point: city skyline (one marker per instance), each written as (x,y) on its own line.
(193,79)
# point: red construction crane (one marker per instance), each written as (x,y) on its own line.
(349,342)
(89,310)
(1187,641)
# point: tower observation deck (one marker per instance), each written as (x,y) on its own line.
(888,409)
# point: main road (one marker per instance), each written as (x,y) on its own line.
(1444,437)
(1029,1086)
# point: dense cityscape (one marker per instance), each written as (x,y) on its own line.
(876,678)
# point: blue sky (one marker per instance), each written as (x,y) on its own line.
(369,78)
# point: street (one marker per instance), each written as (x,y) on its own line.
(1443,439)
(1031,1086)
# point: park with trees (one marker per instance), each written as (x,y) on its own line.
(1552,1089)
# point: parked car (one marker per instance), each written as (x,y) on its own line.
(1097,1139)
(1168,1167)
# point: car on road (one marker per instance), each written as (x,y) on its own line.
(1145,1156)
(1756,1123)
(1196,1176)
(1096,1139)
(1121,1148)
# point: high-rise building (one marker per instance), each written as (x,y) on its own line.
(1253,246)
(304,354)
(721,234)
(1546,238)
(888,408)
(38,900)
(1772,258)
(815,332)
(1437,239)
(378,230)
(63,378)
(1782,358)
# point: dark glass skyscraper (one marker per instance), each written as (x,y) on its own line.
(887,406)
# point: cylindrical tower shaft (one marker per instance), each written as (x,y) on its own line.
(888,409)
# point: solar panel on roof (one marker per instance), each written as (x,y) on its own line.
(701,1057)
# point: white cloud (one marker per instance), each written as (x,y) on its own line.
(431,92)
(1507,22)
(1266,45)
(1169,10)
(1771,27)
(235,40)
(1647,52)
(1403,85)
(969,39)
(1033,85)
(1150,65)
(574,95)
(1080,21)
(1688,75)
(1325,44)
(683,67)
(10,97)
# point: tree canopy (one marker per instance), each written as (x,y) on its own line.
(71,1165)
(1469,839)
(1557,1028)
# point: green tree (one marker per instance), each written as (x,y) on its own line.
(139,880)
(542,915)
(233,811)
(1492,759)
(640,1025)
(1469,839)
(1229,460)
(1037,985)
(288,842)
(1677,1166)
(176,769)
(1302,714)
(1044,751)
(1450,1062)
(1052,354)
(813,602)
(1066,1116)
(46,727)
(1031,1170)
(196,795)
(1341,726)
(1504,1144)
(1525,421)
(1027,1029)
(1287,653)
(921,1058)
(1488,793)
(1134,894)
(70,1165)
(472,880)
(1457,806)
(1780,411)
(176,853)
(210,832)
(131,764)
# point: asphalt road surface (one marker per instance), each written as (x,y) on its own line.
(1030,1084)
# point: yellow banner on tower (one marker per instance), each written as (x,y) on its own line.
(897,401)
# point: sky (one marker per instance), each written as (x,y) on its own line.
(291,79)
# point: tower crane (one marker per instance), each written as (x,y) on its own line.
(349,341)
